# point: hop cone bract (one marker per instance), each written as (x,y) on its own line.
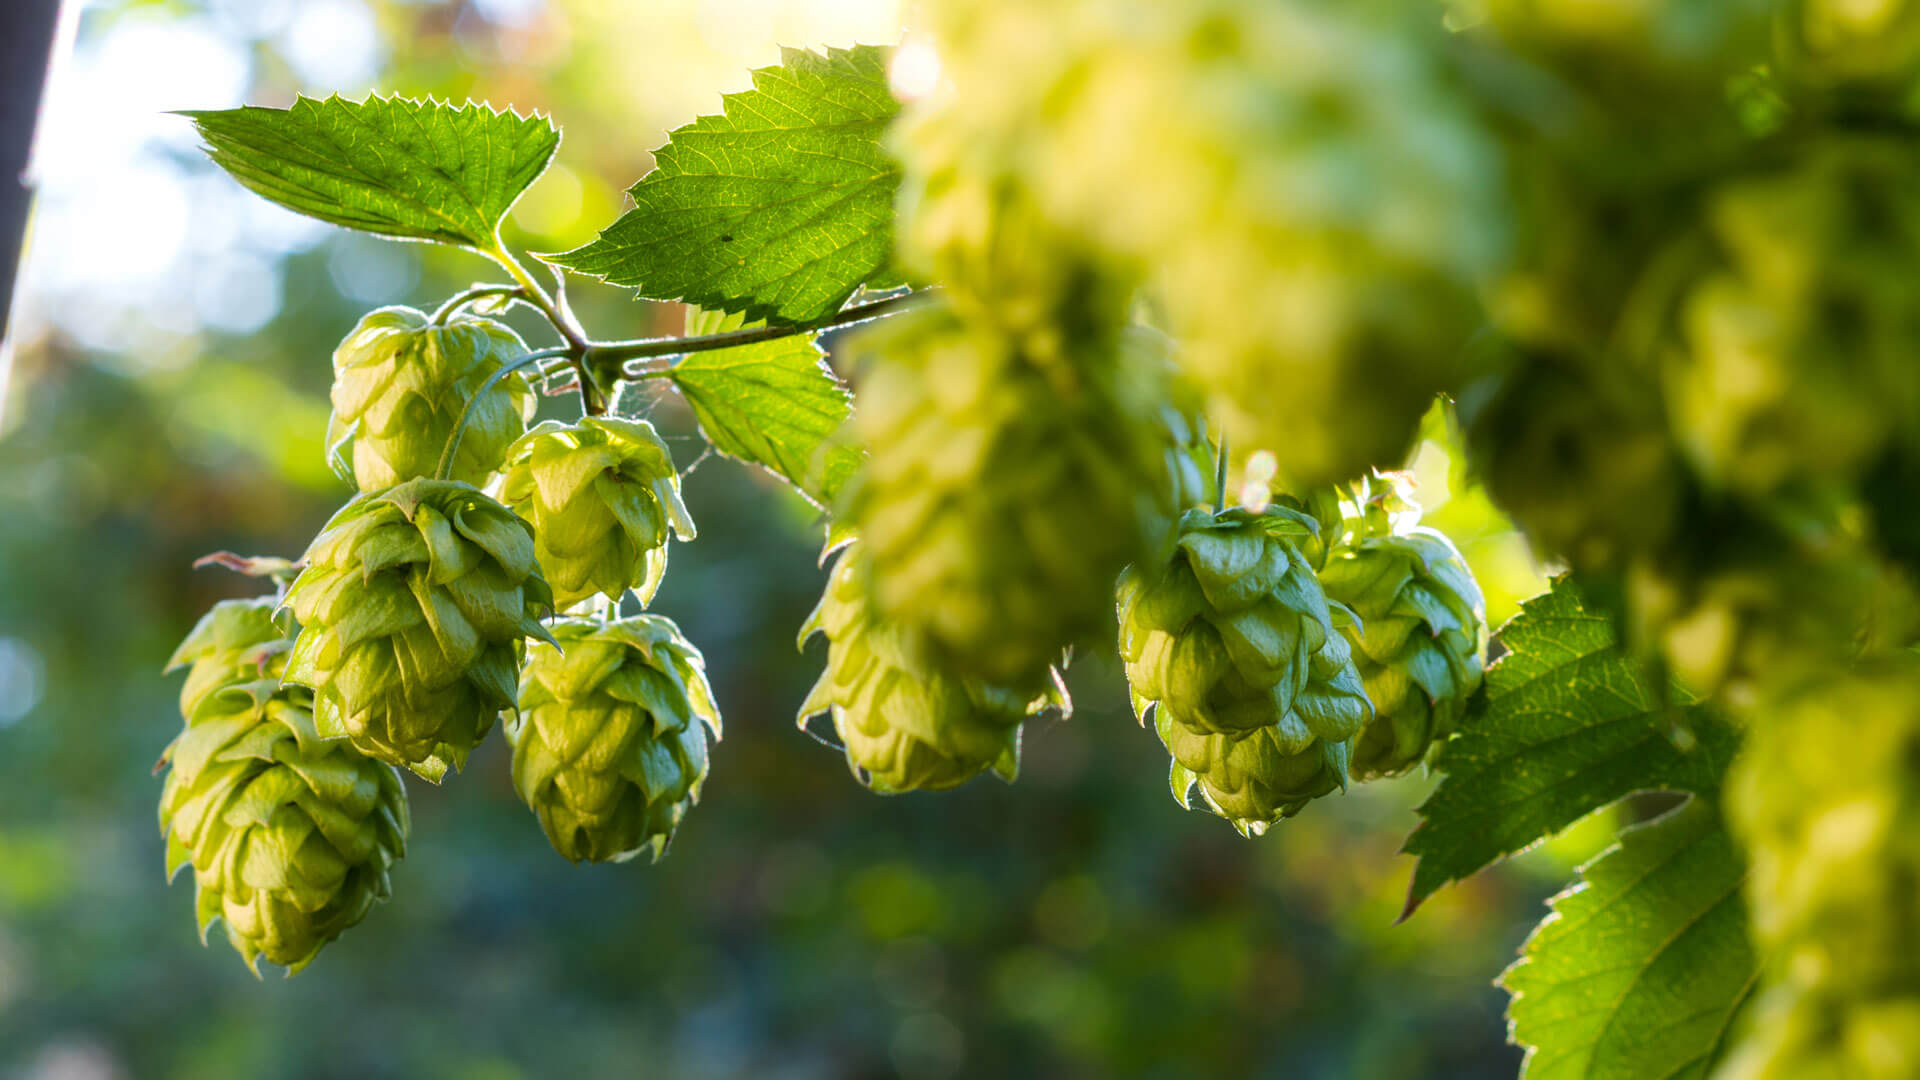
(291,836)
(412,605)
(906,723)
(601,495)
(399,386)
(236,641)
(610,739)
(1007,487)
(1416,642)
(1234,646)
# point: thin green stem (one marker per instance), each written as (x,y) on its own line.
(614,352)
(445,467)
(467,296)
(1220,471)
(592,402)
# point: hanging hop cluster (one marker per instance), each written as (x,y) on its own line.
(291,836)
(1233,645)
(1006,488)
(1418,631)
(414,602)
(610,738)
(601,495)
(400,386)
(1827,802)
(906,723)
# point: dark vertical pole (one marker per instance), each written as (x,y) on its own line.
(26,43)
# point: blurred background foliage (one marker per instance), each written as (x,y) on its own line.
(166,398)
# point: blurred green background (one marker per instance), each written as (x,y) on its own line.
(166,398)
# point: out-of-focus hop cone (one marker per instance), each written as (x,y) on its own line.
(601,495)
(905,722)
(1235,648)
(1827,802)
(610,737)
(413,605)
(400,383)
(1005,489)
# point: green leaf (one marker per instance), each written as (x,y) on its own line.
(779,209)
(775,404)
(418,170)
(1567,724)
(1641,968)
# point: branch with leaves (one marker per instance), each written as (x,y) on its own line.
(1675,337)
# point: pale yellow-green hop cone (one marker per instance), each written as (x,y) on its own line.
(1235,648)
(601,495)
(290,836)
(610,739)
(907,724)
(412,606)
(399,386)
(236,641)
(1826,800)
(1786,350)
(1418,635)
(1857,51)
(1007,485)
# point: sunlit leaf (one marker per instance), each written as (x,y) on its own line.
(778,209)
(1568,724)
(421,170)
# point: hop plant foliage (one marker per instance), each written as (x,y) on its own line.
(400,385)
(1416,638)
(1234,647)
(413,605)
(291,836)
(1007,486)
(601,496)
(906,723)
(610,737)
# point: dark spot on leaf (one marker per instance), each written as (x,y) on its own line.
(726,238)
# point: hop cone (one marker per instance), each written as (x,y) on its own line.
(601,495)
(610,740)
(413,603)
(1416,643)
(1787,355)
(1006,489)
(399,386)
(1827,802)
(1319,326)
(1234,646)
(906,723)
(237,641)
(290,835)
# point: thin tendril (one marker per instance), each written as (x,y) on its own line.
(466,411)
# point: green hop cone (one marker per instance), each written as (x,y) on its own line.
(290,836)
(1826,800)
(601,495)
(906,723)
(1786,348)
(1235,648)
(1008,484)
(1864,53)
(412,605)
(610,739)
(400,384)
(1417,640)
(236,641)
